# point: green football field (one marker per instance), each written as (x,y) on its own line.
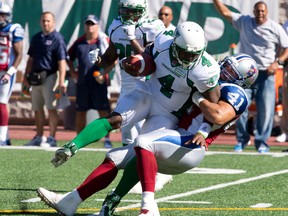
(225,183)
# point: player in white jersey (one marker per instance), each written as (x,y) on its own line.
(162,99)
(129,34)
(11,45)
(164,143)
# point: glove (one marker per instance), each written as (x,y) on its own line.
(130,31)
(93,55)
(197,97)
(64,153)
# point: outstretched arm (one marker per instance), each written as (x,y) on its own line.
(223,10)
(219,113)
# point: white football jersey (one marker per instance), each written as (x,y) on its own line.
(145,32)
(171,85)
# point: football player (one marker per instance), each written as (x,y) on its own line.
(182,64)
(11,45)
(129,34)
(236,71)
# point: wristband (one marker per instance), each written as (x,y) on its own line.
(197,97)
(204,129)
(131,37)
(12,70)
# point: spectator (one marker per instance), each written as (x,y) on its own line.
(47,55)
(91,91)
(260,37)
(166,15)
(11,55)
(283,125)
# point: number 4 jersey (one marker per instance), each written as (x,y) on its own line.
(172,85)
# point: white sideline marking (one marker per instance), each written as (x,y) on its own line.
(273,154)
(138,201)
(50,148)
(262,205)
(32,200)
(210,188)
(197,170)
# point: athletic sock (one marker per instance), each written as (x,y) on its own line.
(3,122)
(148,199)
(93,132)
(128,180)
(99,179)
(146,168)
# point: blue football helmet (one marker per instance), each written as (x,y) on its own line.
(240,69)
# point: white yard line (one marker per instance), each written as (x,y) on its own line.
(273,154)
(210,188)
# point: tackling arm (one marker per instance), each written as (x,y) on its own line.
(212,95)
(217,113)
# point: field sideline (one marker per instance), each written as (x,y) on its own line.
(226,183)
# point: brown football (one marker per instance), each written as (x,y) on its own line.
(144,64)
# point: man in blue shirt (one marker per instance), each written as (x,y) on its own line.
(47,55)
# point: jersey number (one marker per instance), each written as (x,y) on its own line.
(123,51)
(233,100)
(167,82)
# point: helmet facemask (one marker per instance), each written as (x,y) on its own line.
(239,69)
(131,12)
(189,44)
(185,58)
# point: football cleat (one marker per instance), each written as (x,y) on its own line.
(64,204)
(153,211)
(109,205)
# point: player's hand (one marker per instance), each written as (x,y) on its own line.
(4,79)
(129,68)
(64,153)
(198,139)
(130,31)
(93,55)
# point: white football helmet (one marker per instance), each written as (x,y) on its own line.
(189,44)
(6,11)
(131,11)
(240,69)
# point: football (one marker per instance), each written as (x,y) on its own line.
(144,64)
